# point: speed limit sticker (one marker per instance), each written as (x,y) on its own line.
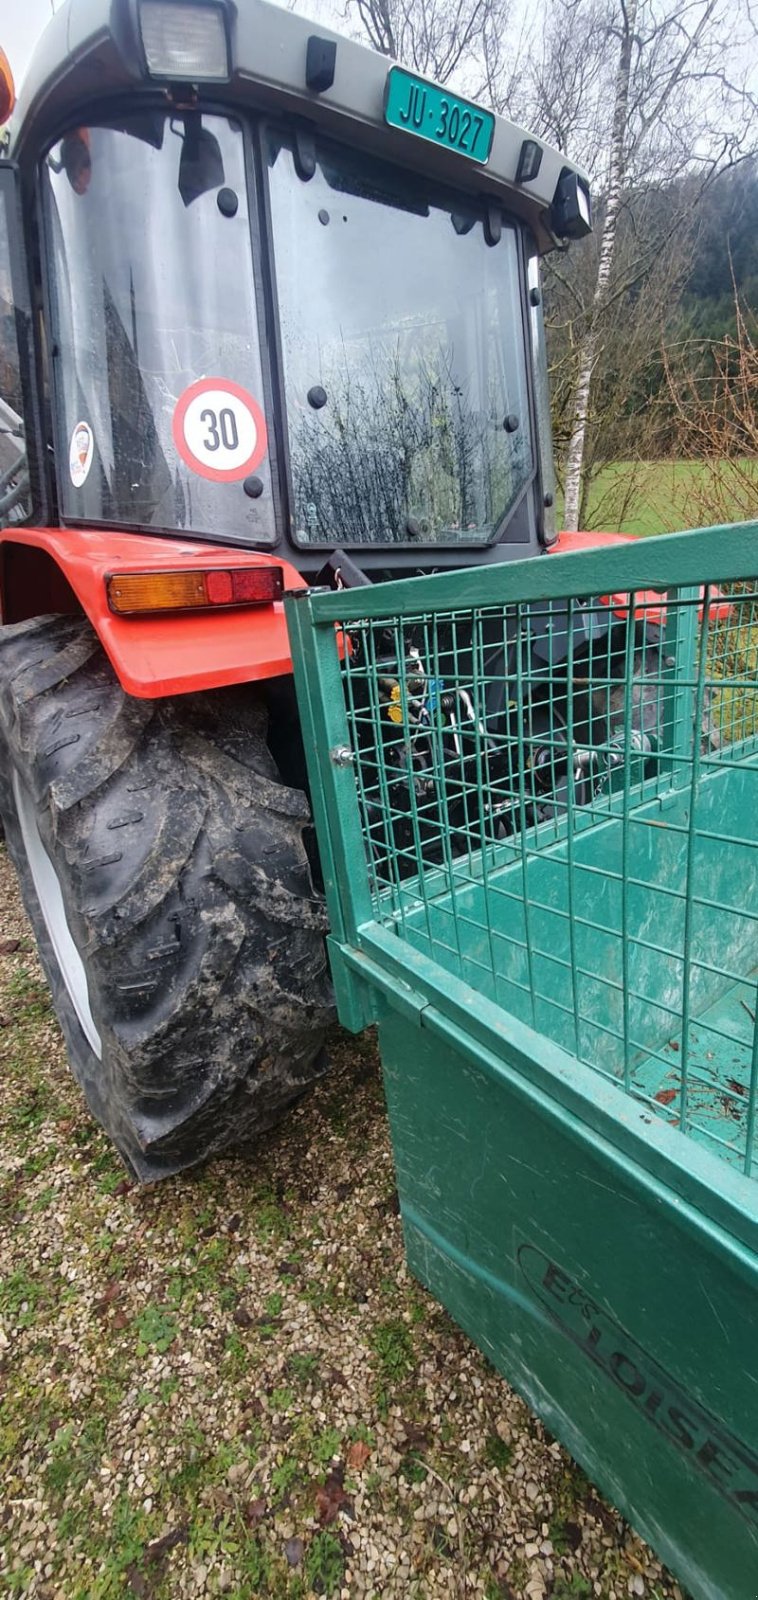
(219,430)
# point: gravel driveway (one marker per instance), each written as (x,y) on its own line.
(230,1385)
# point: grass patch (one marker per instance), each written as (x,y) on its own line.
(303,1368)
(75,1456)
(575,1587)
(325,1564)
(20,1296)
(156,1328)
(412,1469)
(649,497)
(393,1349)
(284,1477)
(327,1445)
(497,1453)
(394,1361)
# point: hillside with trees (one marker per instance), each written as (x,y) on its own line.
(652,320)
(724,256)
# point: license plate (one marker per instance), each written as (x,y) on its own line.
(431,113)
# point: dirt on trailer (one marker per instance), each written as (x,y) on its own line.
(229,1384)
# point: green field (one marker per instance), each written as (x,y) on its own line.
(649,497)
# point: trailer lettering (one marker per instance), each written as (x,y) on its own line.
(728,1465)
(711,1457)
(681,1434)
(626,1374)
(555,1280)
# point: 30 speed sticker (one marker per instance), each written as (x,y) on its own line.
(219,430)
(80,453)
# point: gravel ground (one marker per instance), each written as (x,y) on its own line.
(229,1384)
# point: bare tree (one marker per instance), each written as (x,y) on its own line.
(559,86)
(627,427)
(588,351)
(712,388)
(644,93)
(441,38)
(674,109)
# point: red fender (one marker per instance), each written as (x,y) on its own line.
(648,608)
(64,569)
(566,542)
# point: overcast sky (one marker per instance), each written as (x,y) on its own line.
(22,21)
(21,25)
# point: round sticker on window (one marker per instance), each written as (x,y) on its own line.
(80,453)
(219,430)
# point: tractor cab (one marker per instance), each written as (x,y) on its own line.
(285,294)
(270,317)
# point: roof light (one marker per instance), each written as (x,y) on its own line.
(140,593)
(183,40)
(583,202)
(529,161)
(571,213)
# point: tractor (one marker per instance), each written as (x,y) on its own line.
(270,317)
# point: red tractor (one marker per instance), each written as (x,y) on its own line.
(269,316)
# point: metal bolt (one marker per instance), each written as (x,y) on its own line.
(341,756)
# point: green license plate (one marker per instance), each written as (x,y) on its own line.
(421,108)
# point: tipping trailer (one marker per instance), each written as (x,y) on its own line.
(269,315)
(564,977)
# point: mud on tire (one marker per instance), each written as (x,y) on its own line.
(187,894)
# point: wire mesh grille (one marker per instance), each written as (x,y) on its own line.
(559,802)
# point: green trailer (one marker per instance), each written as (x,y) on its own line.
(543,888)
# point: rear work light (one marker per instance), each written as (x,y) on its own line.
(571,211)
(139,593)
(184,41)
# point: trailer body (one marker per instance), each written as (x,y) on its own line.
(566,1003)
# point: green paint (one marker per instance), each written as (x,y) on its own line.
(567,1013)
(720,554)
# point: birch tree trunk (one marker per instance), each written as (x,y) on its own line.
(588,348)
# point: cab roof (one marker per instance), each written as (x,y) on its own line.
(90,56)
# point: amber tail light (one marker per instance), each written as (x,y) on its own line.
(139,593)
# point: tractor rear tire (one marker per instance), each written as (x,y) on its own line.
(163,867)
